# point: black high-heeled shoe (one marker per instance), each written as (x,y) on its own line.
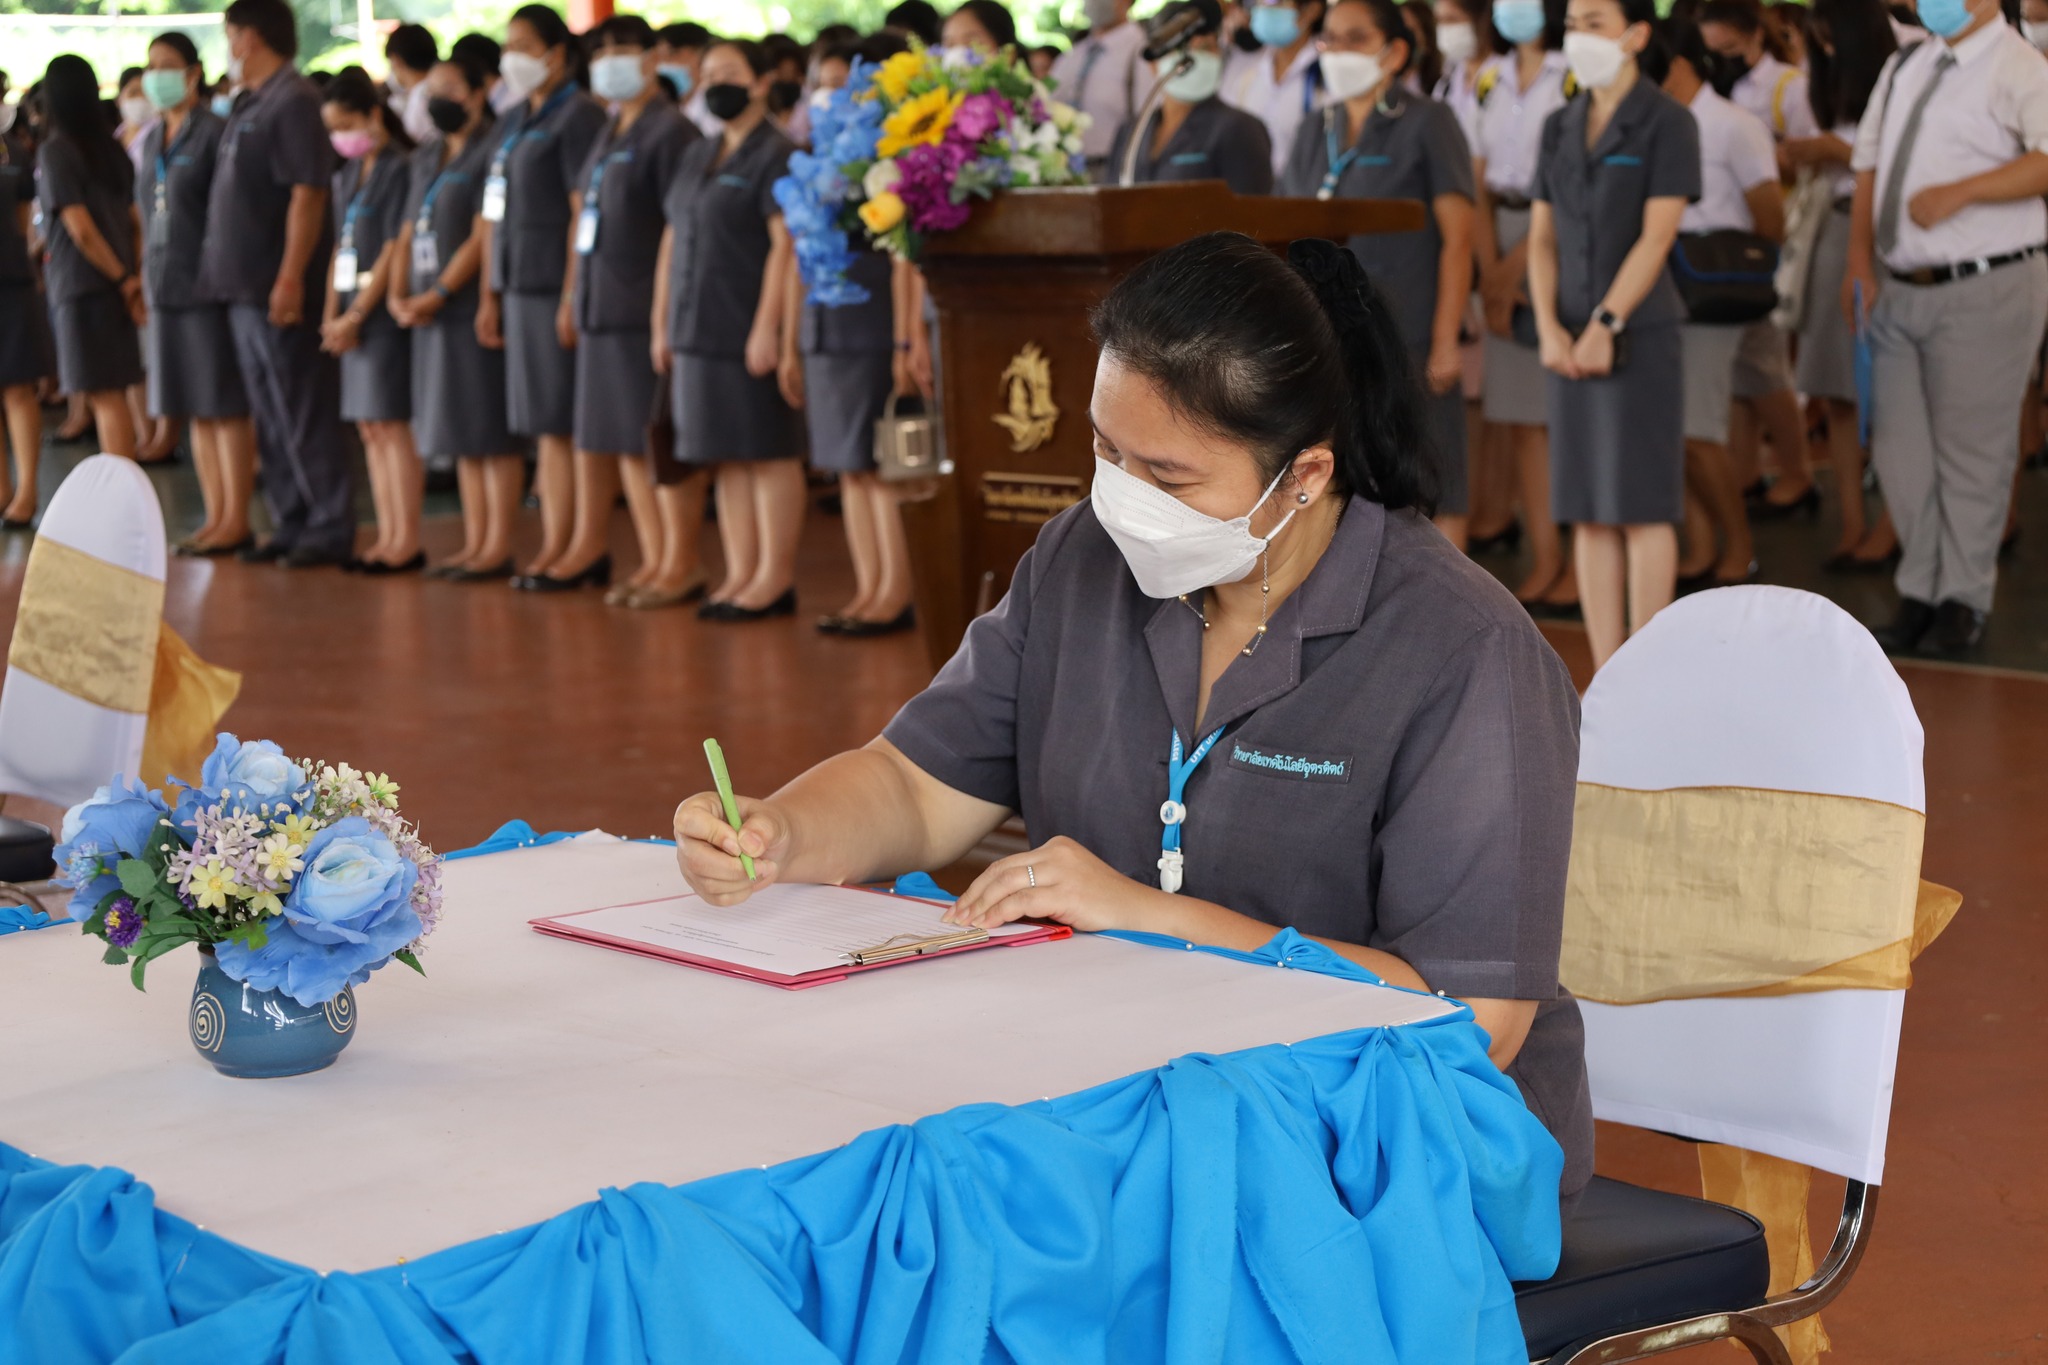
(496,573)
(729,613)
(1509,537)
(1807,504)
(598,575)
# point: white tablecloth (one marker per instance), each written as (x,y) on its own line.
(524,1073)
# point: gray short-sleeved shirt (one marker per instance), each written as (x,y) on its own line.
(106,191)
(720,215)
(539,152)
(180,177)
(17,187)
(1411,149)
(854,328)
(1440,729)
(1650,149)
(631,174)
(443,199)
(367,216)
(274,143)
(1217,142)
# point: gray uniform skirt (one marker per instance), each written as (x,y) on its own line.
(1827,348)
(615,388)
(192,368)
(1617,444)
(539,375)
(723,414)
(845,394)
(24,339)
(458,389)
(1517,391)
(97,348)
(1447,438)
(1709,379)
(376,377)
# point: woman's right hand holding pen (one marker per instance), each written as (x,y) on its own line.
(708,848)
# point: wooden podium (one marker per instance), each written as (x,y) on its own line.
(1017,364)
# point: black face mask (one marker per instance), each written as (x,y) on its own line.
(1245,40)
(727,102)
(783,96)
(1724,71)
(450,116)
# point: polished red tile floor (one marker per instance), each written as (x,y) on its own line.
(488,704)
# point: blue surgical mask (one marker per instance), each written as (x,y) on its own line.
(679,77)
(223,105)
(1519,21)
(1945,18)
(1275,25)
(616,77)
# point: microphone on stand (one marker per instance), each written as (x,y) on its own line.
(1179,24)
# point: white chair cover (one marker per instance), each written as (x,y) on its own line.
(1765,688)
(53,745)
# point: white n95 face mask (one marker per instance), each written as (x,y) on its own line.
(1195,84)
(1347,75)
(1172,549)
(1457,42)
(1594,60)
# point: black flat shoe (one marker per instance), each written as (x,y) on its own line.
(195,551)
(1695,582)
(496,574)
(832,625)
(1806,505)
(1749,575)
(598,575)
(733,612)
(1908,627)
(1508,537)
(306,557)
(10,524)
(713,609)
(1957,629)
(269,552)
(867,630)
(379,569)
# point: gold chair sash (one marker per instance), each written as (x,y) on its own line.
(87,627)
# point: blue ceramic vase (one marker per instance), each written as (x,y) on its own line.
(252,1033)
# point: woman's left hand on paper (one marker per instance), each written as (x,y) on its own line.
(1059,881)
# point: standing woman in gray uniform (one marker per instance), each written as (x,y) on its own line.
(1618,166)
(1379,140)
(537,152)
(458,383)
(725,260)
(193,376)
(1195,135)
(96,303)
(24,351)
(612,262)
(376,354)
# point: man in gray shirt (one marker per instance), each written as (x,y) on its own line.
(267,246)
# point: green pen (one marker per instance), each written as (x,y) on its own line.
(732,808)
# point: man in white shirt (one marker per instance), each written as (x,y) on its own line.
(1104,77)
(1946,234)
(1276,82)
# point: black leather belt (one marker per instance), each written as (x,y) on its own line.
(1509,201)
(1962,270)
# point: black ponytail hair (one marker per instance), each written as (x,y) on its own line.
(548,26)
(72,109)
(1279,355)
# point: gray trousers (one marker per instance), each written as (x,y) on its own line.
(1949,368)
(295,395)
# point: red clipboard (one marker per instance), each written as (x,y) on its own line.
(565,927)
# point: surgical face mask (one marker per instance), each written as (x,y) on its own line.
(1595,61)
(1519,21)
(678,76)
(616,77)
(726,102)
(450,116)
(1347,75)
(222,104)
(413,116)
(135,111)
(2037,33)
(1457,42)
(234,71)
(1172,549)
(522,73)
(351,144)
(1945,18)
(1275,25)
(163,89)
(1195,84)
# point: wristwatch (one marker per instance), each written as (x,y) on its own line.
(1610,319)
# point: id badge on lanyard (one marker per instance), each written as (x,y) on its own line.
(494,192)
(1174,813)
(426,258)
(1338,164)
(345,269)
(586,230)
(160,215)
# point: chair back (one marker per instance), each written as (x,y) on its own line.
(1760,741)
(79,669)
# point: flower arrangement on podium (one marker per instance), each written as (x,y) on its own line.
(296,879)
(901,150)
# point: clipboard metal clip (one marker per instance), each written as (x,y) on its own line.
(911,945)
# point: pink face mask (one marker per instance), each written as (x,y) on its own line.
(350,145)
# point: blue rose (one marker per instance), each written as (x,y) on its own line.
(116,822)
(252,774)
(348,912)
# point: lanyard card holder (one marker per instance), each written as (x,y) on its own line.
(345,270)
(160,215)
(494,196)
(426,260)
(586,230)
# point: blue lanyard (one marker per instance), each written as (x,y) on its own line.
(530,129)
(1338,164)
(1174,813)
(424,222)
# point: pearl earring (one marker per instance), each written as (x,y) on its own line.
(1301,498)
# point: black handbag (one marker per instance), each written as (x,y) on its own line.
(1726,276)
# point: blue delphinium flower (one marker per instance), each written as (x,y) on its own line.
(116,822)
(813,195)
(348,912)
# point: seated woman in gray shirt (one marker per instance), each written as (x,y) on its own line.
(1360,735)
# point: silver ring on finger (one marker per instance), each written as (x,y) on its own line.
(1031,875)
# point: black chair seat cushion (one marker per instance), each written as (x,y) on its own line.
(1637,1258)
(24,851)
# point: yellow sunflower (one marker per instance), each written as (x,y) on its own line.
(894,79)
(918,122)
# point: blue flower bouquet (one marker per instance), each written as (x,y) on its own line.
(300,877)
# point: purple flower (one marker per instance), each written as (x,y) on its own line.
(977,117)
(927,186)
(123,923)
